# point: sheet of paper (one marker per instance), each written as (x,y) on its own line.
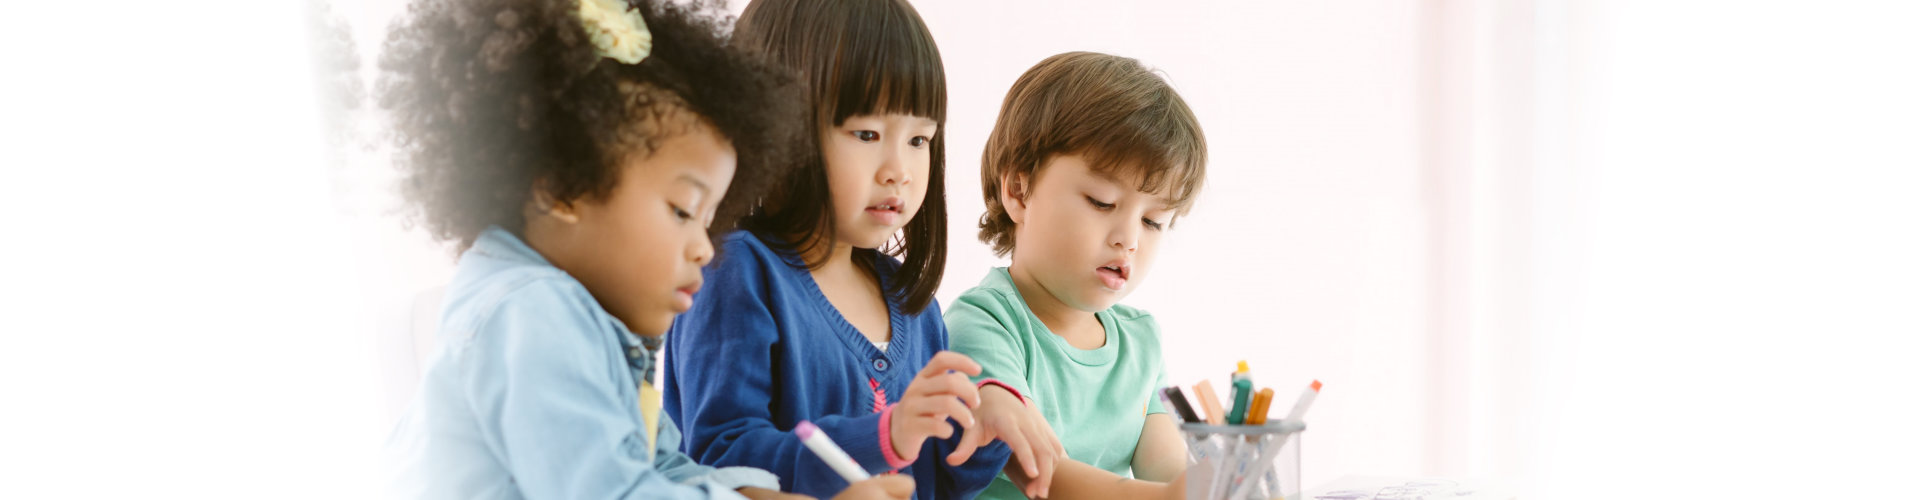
(1402,488)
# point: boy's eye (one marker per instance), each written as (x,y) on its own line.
(919,141)
(866,135)
(1153,224)
(679,213)
(1101,205)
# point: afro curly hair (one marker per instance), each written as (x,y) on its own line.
(493,98)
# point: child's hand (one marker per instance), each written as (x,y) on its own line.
(1035,448)
(766,494)
(890,486)
(941,390)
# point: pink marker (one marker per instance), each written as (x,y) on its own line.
(830,452)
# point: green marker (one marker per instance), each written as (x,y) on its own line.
(1242,392)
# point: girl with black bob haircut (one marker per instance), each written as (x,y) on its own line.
(815,320)
(888,67)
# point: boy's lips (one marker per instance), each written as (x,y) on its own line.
(1114,274)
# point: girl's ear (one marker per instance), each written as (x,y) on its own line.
(544,203)
(1013,196)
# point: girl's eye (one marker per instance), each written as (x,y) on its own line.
(919,141)
(679,213)
(1153,224)
(1100,205)
(866,135)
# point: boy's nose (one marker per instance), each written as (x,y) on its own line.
(1126,238)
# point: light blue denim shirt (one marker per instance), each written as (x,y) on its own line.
(533,393)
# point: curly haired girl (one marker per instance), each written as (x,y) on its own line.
(579,152)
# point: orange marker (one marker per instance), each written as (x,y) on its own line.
(1257,413)
(1210,401)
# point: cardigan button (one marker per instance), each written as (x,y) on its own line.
(880,364)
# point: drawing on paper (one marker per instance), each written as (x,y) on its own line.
(1424,489)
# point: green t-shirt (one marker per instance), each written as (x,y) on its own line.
(1096,400)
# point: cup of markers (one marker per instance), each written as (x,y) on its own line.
(1237,452)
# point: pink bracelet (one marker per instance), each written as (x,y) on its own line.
(894,460)
(1003,385)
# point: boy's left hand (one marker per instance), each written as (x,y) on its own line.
(1002,415)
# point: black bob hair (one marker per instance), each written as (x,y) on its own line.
(856,57)
(493,98)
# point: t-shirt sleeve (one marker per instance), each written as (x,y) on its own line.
(1153,400)
(982,326)
(1151,336)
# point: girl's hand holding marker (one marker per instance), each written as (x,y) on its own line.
(861,485)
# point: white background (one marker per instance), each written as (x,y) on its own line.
(1578,249)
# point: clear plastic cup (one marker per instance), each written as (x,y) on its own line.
(1236,462)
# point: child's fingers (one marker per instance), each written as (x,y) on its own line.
(1045,461)
(957,410)
(967,392)
(945,383)
(945,361)
(973,440)
(959,386)
(1022,452)
(1040,419)
(895,485)
(931,414)
(924,426)
(940,408)
(1052,438)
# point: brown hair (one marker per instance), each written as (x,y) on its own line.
(1110,109)
(856,57)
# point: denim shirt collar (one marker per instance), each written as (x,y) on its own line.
(497,243)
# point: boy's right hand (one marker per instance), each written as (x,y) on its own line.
(939,391)
(1006,417)
(887,487)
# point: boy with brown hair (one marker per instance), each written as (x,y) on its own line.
(1090,162)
